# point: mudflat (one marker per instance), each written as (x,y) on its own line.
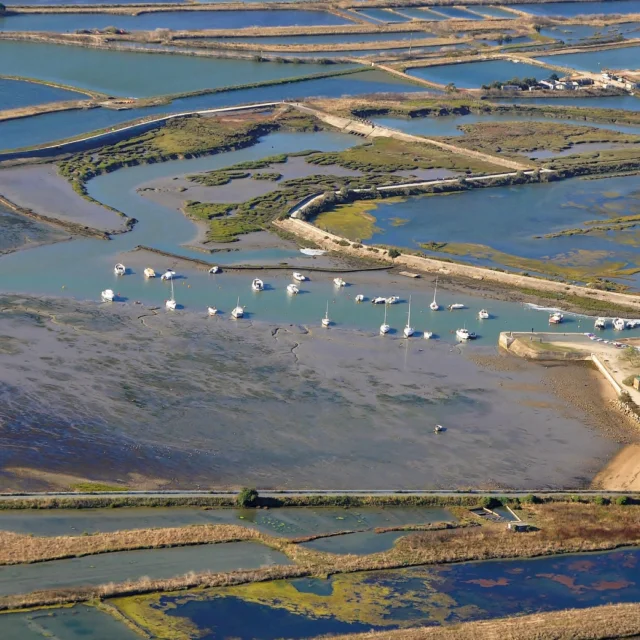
(622,473)
(126,394)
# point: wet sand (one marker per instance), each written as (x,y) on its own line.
(40,188)
(18,232)
(122,394)
(622,473)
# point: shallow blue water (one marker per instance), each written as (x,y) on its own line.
(457,13)
(382,15)
(421,14)
(16,93)
(137,74)
(469,75)
(571,33)
(570,9)
(327,39)
(623,58)
(177,20)
(55,126)
(446,593)
(494,12)
(626,102)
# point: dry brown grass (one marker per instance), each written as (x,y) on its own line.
(596,623)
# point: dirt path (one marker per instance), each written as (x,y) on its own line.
(371,130)
(622,473)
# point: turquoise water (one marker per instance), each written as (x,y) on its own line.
(287,522)
(437,595)
(570,9)
(132,565)
(457,13)
(47,128)
(77,623)
(382,15)
(16,93)
(520,213)
(469,75)
(136,74)
(623,58)
(327,39)
(178,20)
(421,14)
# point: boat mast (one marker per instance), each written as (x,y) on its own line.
(385,314)
(435,290)
(409,314)
(326,315)
(173,297)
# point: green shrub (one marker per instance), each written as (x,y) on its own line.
(623,500)
(601,500)
(394,253)
(490,502)
(248,497)
(531,499)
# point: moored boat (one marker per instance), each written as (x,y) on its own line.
(393,299)
(465,334)
(619,324)
(119,269)
(169,274)
(215,269)
(428,335)
(483,314)
(149,273)
(438,428)
(408,330)
(556,318)
(378,300)
(171,303)
(292,289)
(384,327)
(455,305)
(325,321)
(212,311)
(359,298)
(299,277)
(257,284)
(108,295)
(434,306)
(238,311)
(339,282)
(600,323)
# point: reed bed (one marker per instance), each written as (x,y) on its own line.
(595,623)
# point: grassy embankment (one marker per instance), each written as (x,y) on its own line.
(592,623)
(560,528)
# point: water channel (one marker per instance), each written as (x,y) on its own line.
(622,58)
(15,94)
(350,603)
(570,9)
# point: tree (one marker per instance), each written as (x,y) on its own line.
(554,76)
(451,88)
(394,253)
(247,497)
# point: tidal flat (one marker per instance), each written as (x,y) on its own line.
(18,232)
(127,395)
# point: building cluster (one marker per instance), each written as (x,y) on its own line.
(624,79)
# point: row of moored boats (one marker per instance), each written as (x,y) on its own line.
(619,324)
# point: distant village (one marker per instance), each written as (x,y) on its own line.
(608,79)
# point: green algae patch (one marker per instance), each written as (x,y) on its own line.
(398,222)
(92,487)
(146,612)
(353,221)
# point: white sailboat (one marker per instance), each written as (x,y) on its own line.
(107,295)
(171,303)
(359,298)
(149,273)
(409,330)
(434,306)
(428,335)
(119,269)
(339,282)
(378,300)
(292,289)
(619,324)
(238,311)
(325,321)
(257,284)
(384,327)
(483,314)
(168,275)
(393,299)
(299,277)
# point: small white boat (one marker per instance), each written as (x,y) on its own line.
(168,275)
(238,311)
(171,302)
(292,289)
(465,334)
(257,284)
(438,428)
(212,311)
(359,298)
(149,273)
(434,306)
(108,295)
(428,335)
(299,277)
(556,318)
(215,269)
(119,269)
(393,299)
(483,314)
(455,305)
(409,330)
(339,282)
(325,321)
(619,324)
(600,323)
(378,300)
(384,327)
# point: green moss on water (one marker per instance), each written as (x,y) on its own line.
(353,221)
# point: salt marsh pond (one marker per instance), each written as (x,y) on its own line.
(622,58)
(351,603)
(16,93)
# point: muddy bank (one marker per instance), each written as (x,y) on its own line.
(622,473)
(18,232)
(40,189)
(88,391)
